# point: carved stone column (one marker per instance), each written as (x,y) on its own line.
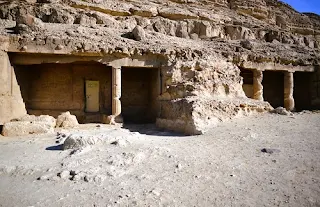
(288,91)
(257,85)
(116,92)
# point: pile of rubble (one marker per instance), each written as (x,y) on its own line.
(31,124)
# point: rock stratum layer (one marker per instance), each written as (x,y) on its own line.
(199,46)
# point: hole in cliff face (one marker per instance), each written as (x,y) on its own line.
(273,88)
(140,89)
(302,90)
(55,88)
(247,85)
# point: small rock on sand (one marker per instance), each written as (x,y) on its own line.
(46,177)
(66,120)
(77,141)
(179,166)
(269,151)
(120,143)
(64,174)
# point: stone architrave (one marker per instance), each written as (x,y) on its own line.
(257,85)
(288,91)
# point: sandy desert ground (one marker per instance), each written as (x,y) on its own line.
(261,160)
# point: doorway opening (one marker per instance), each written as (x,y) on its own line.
(302,90)
(140,90)
(54,88)
(273,88)
(247,85)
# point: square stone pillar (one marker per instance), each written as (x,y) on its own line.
(288,91)
(11,102)
(257,85)
(116,92)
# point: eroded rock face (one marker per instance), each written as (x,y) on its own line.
(209,77)
(266,21)
(257,9)
(169,17)
(195,116)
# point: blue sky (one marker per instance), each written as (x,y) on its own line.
(305,5)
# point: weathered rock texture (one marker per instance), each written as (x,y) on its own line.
(66,120)
(77,141)
(21,128)
(42,118)
(198,46)
(29,124)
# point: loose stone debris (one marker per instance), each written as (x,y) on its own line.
(282,111)
(31,124)
(138,33)
(77,141)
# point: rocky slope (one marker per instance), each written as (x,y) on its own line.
(277,32)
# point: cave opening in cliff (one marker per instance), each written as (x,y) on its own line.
(273,88)
(302,90)
(247,84)
(83,88)
(140,89)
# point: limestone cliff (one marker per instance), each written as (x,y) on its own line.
(201,45)
(210,26)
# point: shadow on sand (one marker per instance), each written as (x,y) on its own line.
(151,129)
(55,148)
